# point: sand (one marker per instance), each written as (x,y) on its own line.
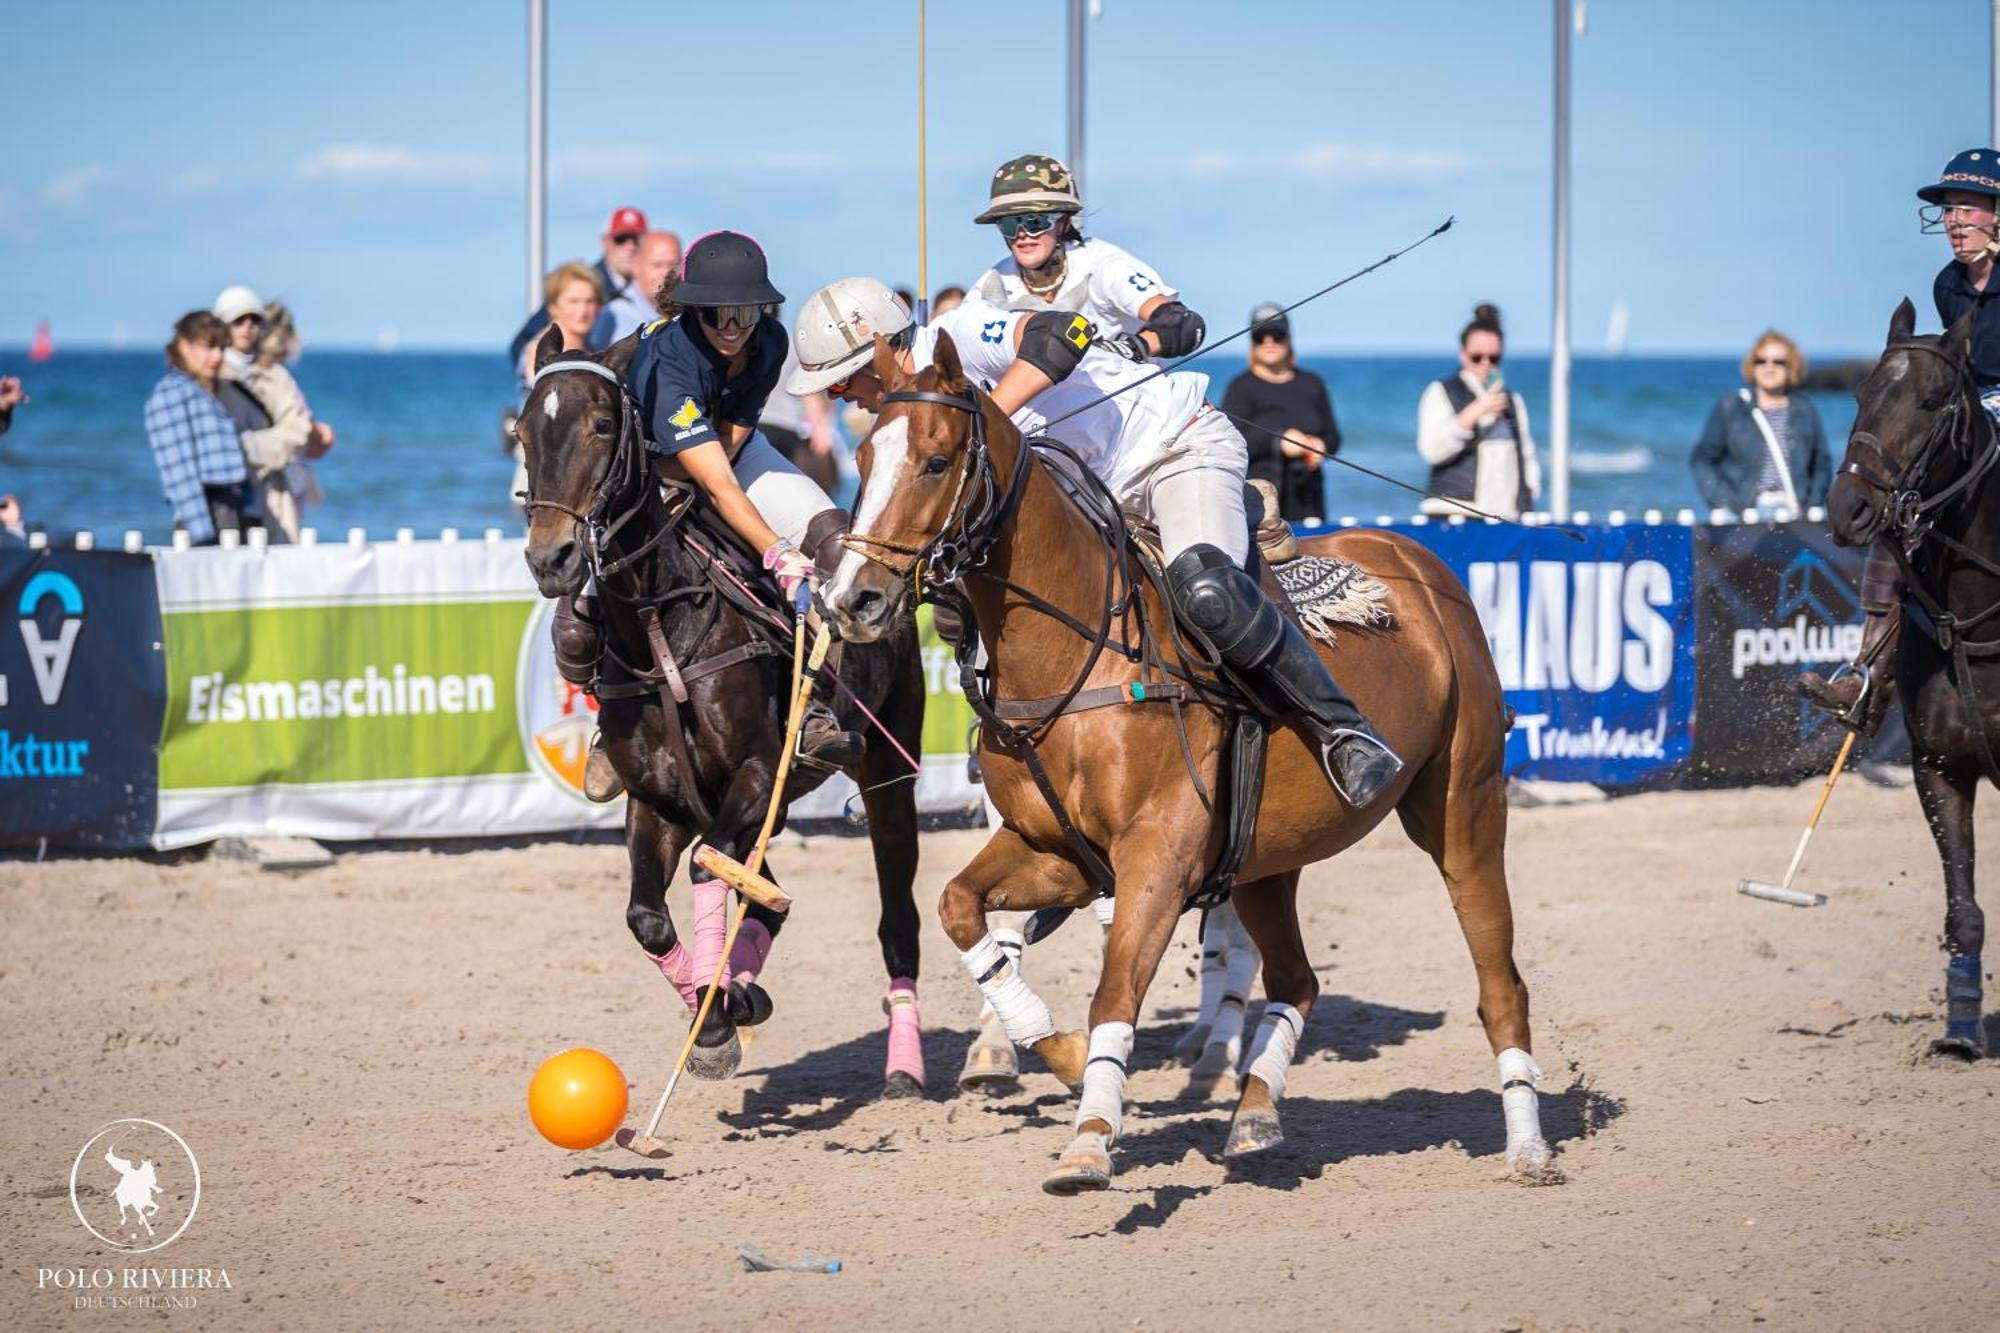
(1738,1095)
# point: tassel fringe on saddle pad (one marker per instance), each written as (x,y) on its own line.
(1327,592)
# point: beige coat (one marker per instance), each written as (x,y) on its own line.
(276,455)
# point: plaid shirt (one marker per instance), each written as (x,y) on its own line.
(195,444)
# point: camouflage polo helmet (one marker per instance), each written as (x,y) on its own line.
(1031,183)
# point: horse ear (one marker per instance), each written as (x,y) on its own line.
(1958,338)
(944,356)
(548,347)
(619,355)
(1903,323)
(888,367)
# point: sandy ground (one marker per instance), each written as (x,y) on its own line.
(1736,1093)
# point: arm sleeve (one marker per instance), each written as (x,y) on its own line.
(1329,427)
(1938,296)
(527,333)
(1531,457)
(1813,486)
(270,449)
(170,429)
(1125,284)
(1439,440)
(670,402)
(1705,459)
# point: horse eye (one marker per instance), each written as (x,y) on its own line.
(603,425)
(1932,403)
(935,464)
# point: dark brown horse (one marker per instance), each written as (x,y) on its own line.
(950,486)
(1919,474)
(596,509)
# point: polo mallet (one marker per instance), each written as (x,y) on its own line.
(1783,892)
(744,878)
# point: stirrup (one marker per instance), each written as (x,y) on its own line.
(1362,782)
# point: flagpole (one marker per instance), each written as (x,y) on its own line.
(923,191)
(538,147)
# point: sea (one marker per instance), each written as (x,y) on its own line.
(418,436)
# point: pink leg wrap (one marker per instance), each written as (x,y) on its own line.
(711,927)
(752,947)
(676,966)
(906,1026)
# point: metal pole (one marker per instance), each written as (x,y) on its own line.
(1075,162)
(923,192)
(538,147)
(1993,78)
(1557,498)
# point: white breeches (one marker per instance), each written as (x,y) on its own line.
(786,497)
(1194,491)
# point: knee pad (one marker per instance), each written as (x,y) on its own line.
(578,641)
(1225,604)
(1054,341)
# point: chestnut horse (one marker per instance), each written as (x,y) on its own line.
(1920,474)
(595,508)
(952,493)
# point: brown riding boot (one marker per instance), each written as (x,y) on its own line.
(600,780)
(1858,694)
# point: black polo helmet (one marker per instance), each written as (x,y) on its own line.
(725,268)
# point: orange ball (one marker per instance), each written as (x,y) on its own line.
(577,1098)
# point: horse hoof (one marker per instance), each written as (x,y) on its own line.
(748,1004)
(1192,1043)
(900,1085)
(1065,1054)
(1530,1163)
(1084,1166)
(718,1061)
(1966,1049)
(990,1069)
(1253,1132)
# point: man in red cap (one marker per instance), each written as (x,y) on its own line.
(614,274)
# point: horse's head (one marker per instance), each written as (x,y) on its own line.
(576,429)
(1918,421)
(919,471)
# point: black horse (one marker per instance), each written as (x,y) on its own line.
(686,630)
(1919,475)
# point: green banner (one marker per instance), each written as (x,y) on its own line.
(363,692)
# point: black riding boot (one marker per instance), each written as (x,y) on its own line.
(579,641)
(1255,638)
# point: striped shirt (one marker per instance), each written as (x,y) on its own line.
(195,445)
(1769,479)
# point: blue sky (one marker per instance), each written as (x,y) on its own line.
(1735,164)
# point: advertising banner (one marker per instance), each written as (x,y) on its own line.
(1772,603)
(81,688)
(392,690)
(1594,642)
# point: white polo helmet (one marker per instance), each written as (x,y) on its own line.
(836,331)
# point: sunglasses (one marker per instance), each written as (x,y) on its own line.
(1483,358)
(626,238)
(1784,361)
(1269,336)
(246,319)
(731,316)
(1027,224)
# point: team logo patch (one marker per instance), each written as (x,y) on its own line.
(1078,333)
(690,412)
(1140,281)
(992,330)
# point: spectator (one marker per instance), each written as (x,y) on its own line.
(11,397)
(193,437)
(574,301)
(1286,415)
(1763,445)
(287,492)
(272,433)
(802,428)
(614,273)
(659,254)
(1474,432)
(947,298)
(13,529)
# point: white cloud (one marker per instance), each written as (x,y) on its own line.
(370,163)
(1337,163)
(73,187)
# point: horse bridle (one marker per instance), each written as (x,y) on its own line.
(627,456)
(1907,514)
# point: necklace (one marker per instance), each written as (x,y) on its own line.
(1060,268)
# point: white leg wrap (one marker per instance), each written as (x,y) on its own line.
(1103,907)
(1228,1026)
(1518,1073)
(1026,1018)
(1277,1042)
(1011,943)
(1104,1076)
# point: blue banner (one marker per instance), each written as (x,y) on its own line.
(1594,641)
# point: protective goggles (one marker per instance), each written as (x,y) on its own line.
(899,341)
(731,316)
(1027,224)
